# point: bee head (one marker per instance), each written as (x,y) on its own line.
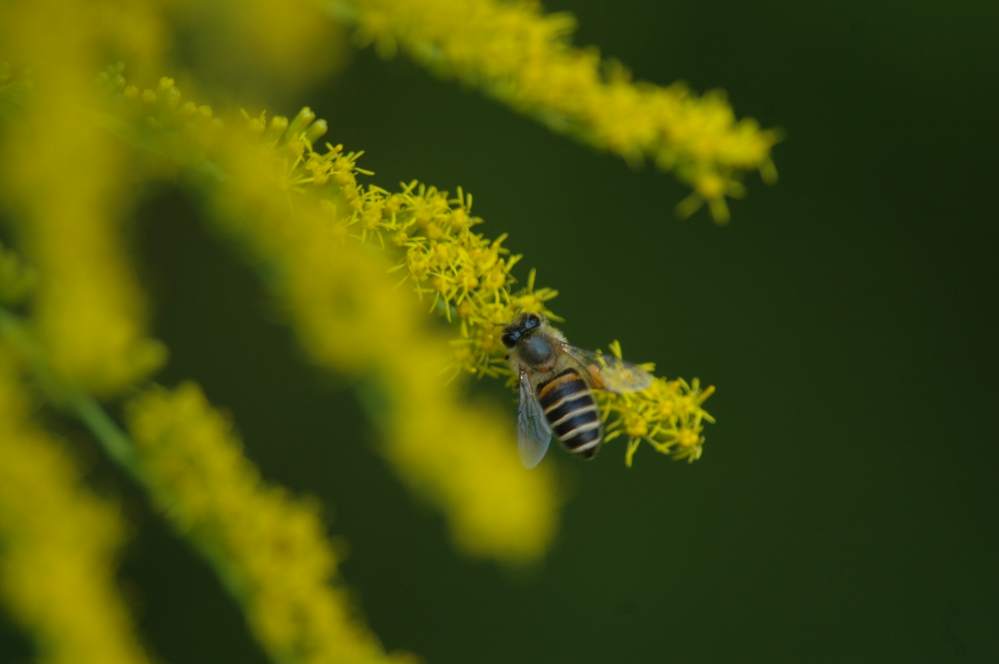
(522,326)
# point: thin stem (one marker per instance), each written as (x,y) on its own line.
(114,441)
(85,408)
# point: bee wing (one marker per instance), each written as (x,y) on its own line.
(607,372)
(533,434)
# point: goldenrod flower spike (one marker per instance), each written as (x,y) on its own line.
(351,317)
(87,307)
(516,53)
(668,415)
(470,280)
(432,235)
(58,544)
(268,547)
(294,211)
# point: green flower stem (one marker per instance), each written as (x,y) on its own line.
(82,406)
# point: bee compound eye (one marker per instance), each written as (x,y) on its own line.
(532,320)
(509,339)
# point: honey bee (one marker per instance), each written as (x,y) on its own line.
(556,383)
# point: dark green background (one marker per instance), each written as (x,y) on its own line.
(844,507)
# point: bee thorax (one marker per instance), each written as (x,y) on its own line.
(535,350)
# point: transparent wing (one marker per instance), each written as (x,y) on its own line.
(606,372)
(533,434)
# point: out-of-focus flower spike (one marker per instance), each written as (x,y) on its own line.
(59,542)
(192,462)
(523,57)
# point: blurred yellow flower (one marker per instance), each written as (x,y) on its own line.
(87,306)
(429,232)
(331,248)
(268,547)
(522,56)
(262,50)
(350,316)
(348,312)
(58,543)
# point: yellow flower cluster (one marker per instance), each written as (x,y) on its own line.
(466,276)
(668,415)
(431,235)
(57,544)
(469,278)
(522,56)
(268,547)
(87,308)
(333,250)
(350,316)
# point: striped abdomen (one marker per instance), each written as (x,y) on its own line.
(571,412)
